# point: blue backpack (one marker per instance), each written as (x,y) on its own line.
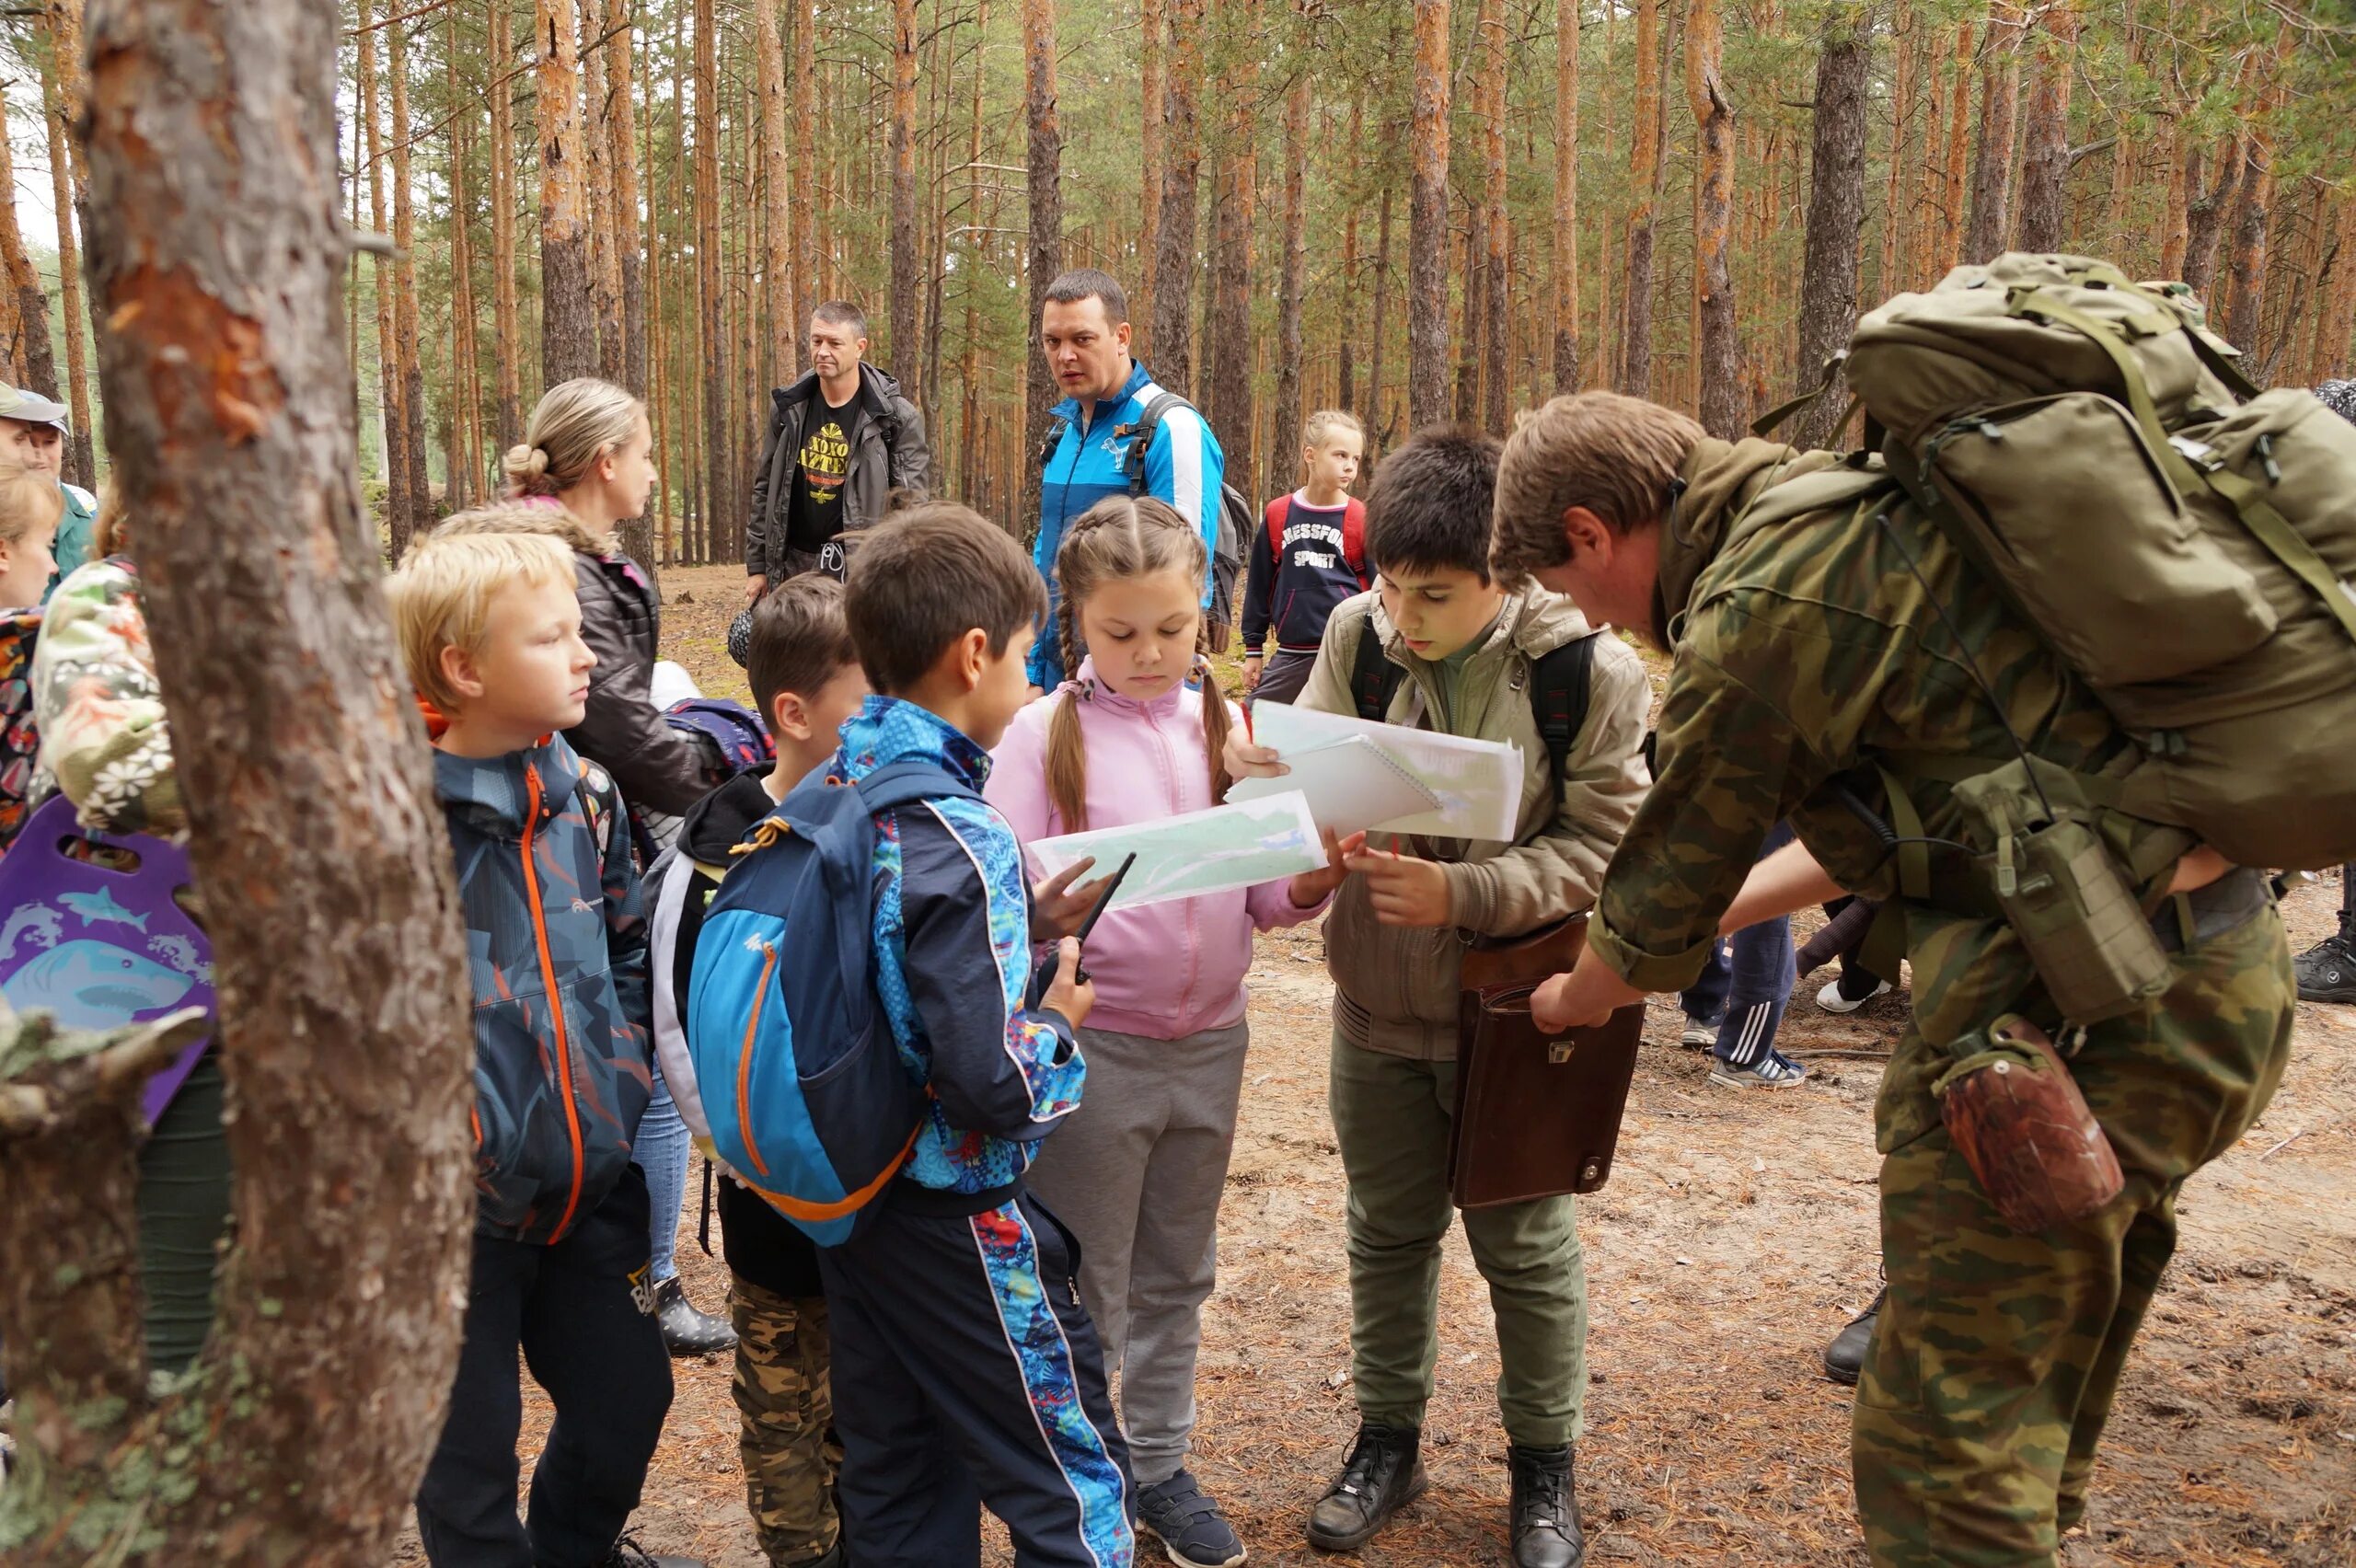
(802,1079)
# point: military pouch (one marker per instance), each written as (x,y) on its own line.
(2021,1124)
(2067,898)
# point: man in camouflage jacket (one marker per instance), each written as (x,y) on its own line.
(1816,645)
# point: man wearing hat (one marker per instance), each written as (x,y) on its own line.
(32,432)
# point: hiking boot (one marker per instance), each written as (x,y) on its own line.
(1835,999)
(628,1553)
(2327,971)
(687,1332)
(1774,1070)
(1189,1524)
(1384,1474)
(1845,1358)
(1545,1531)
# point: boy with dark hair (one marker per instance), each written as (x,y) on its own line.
(491,631)
(1465,652)
(806,681)
(970,1370)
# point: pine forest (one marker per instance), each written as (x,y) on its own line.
(1412,209)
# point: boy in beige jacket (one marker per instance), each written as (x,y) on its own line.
(1464,652)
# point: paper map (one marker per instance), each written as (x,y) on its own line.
(1216,851)
(1473,787)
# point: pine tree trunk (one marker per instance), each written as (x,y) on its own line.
(1227,335)
(1836,216)
(2045,151)
(1992,170)
(61,98)
(904,264)
(1043,246)
(506,328)
(387,290)
(1636,339)
(1722,403)
(710,298)
(777,269)
(808,284)
(2241,313)
(1285,444)
(622,132)
(211,145)
(969,456)
(2175,217)
(1174,243)
(1496,326)
(1567,196)
(603,226)
(1891,276)
(1153,35)
(405,336)
(1473,265)
(1345,356)
(568,324)
(1376,430)
(459,225)
(1428,225)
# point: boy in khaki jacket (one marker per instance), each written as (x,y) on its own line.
(1394,944)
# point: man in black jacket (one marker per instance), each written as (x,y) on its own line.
(841,440)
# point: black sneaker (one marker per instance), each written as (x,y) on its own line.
(1384,1474)
(686,1330)
(1845,1358)
(628,1553)
(1189,1524)
(2327,970)
(1545,1531)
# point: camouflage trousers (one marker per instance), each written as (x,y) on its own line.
(786,1411)
(1997,1356)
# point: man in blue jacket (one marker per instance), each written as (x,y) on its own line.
(1085,329)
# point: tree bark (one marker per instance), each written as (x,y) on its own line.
(60,96)
(1174,243)
(1345,342)
(1427,221)
(1227,330)
(622,131)
(1285,445)
(905,265)
(2045,153)
(1959,148)
(710,301)
(215,251)
(1376,431)
(1567,196)
(1153,19)
(2242,316)
(1496,325)
(777,271)
(387,289)
(1836,215)
(463,456)
(808,284)
(506,328)
(1721,356)
(405,334)
(568,324)
(1891,277)
(2205,218)
(1992,169)
(1044,244)
(604,226)
(1636,340)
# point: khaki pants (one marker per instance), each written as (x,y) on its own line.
(1391,1117)
(784,1403)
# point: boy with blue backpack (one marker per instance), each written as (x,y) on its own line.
(863,985)
(489,630)
(806,681)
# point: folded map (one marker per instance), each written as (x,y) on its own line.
(1351,768)
(1214,850)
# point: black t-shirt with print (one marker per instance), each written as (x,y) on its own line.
(827,435)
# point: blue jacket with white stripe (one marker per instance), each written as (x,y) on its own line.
(1183,466)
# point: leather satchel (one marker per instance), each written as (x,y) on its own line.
(1536,1115)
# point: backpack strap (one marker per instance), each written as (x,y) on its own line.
(1374,679)
(907,782)
(1559,684)
(1279,512)
(1056,428)
(1141,436)
(1354,539)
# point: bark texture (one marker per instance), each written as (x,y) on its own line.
(1722,410)
(905,264)
(211,146)
(1567,196)
(2045,141)
(1043,246)
(1284,447)
(1836,215)
(568,312)
(1174,241)
(1992,169)
(1427,221)
(1636,339)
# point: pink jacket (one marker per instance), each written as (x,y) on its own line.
(1167,970)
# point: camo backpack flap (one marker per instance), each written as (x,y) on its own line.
(95,937)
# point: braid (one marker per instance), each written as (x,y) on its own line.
(1215,718)
(1068,634)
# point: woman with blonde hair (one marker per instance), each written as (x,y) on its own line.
(584,465)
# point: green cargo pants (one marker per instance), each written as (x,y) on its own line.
(1391,1117)
(1997,1358)
(183,1216)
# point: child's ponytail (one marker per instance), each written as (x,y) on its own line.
(1215,720)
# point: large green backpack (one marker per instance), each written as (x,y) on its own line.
(2183,541)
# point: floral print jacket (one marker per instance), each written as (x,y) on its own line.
(104,739)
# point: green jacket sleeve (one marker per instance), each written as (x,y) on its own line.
(103,732)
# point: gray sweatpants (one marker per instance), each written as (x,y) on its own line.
(1136,1174)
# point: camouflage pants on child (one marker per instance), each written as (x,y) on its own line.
(1997,1357)
(789,1451)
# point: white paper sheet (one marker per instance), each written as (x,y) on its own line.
(1476,786)
(1214,850)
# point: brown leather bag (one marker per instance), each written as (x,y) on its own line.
(2023,1127)
(1536,1116)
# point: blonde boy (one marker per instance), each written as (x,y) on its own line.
(1309,556)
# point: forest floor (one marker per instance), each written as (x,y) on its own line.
(1737,1236)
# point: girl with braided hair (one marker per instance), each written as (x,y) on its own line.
(1136,737)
